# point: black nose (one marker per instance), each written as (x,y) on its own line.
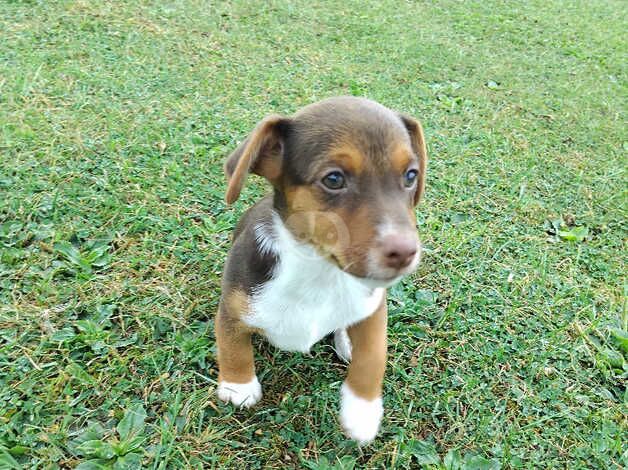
(398,250)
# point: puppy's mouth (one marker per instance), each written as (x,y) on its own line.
(371,279)
(384,281)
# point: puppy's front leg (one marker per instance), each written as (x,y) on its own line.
(361,407)
(237,382)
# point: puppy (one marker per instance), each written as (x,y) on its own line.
(317,255)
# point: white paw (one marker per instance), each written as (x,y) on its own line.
(242,395)
(342,345)
(360,418)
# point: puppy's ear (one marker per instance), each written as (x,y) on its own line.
(418,145)
(261,153)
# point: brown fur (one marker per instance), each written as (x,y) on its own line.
(260,154)
(368,340)
(418,144)
(233,338)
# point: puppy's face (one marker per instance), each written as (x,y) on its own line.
(347,174)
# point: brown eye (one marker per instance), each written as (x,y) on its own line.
(334,180)
(409,178)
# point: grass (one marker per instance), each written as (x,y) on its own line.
(508,346)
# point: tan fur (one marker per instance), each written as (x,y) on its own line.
(233,338)
(302,199)
(342,234)
(368,351)
(348,158)
(260,153)
(400,158)
(361,233)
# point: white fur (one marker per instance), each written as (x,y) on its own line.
(265,239)
(342,345)
(242,395)
(307,296)
(386,228)
(359,418)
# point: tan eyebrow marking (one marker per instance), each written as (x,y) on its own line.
(401,157)
(348,157)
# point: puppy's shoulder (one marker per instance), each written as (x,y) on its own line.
(260,213)
(248,264)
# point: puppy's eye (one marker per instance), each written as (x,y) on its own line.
(409,178)
(334,180)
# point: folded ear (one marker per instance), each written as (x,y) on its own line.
(261,153)
(418,145)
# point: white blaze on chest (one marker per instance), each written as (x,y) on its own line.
(307,297)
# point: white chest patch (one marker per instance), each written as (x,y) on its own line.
(307,297)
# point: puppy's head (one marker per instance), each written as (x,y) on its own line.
(347,173)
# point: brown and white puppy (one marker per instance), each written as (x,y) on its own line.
(316,257)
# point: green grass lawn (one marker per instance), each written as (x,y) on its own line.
(506,347)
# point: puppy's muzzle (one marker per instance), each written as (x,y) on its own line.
(398,250)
